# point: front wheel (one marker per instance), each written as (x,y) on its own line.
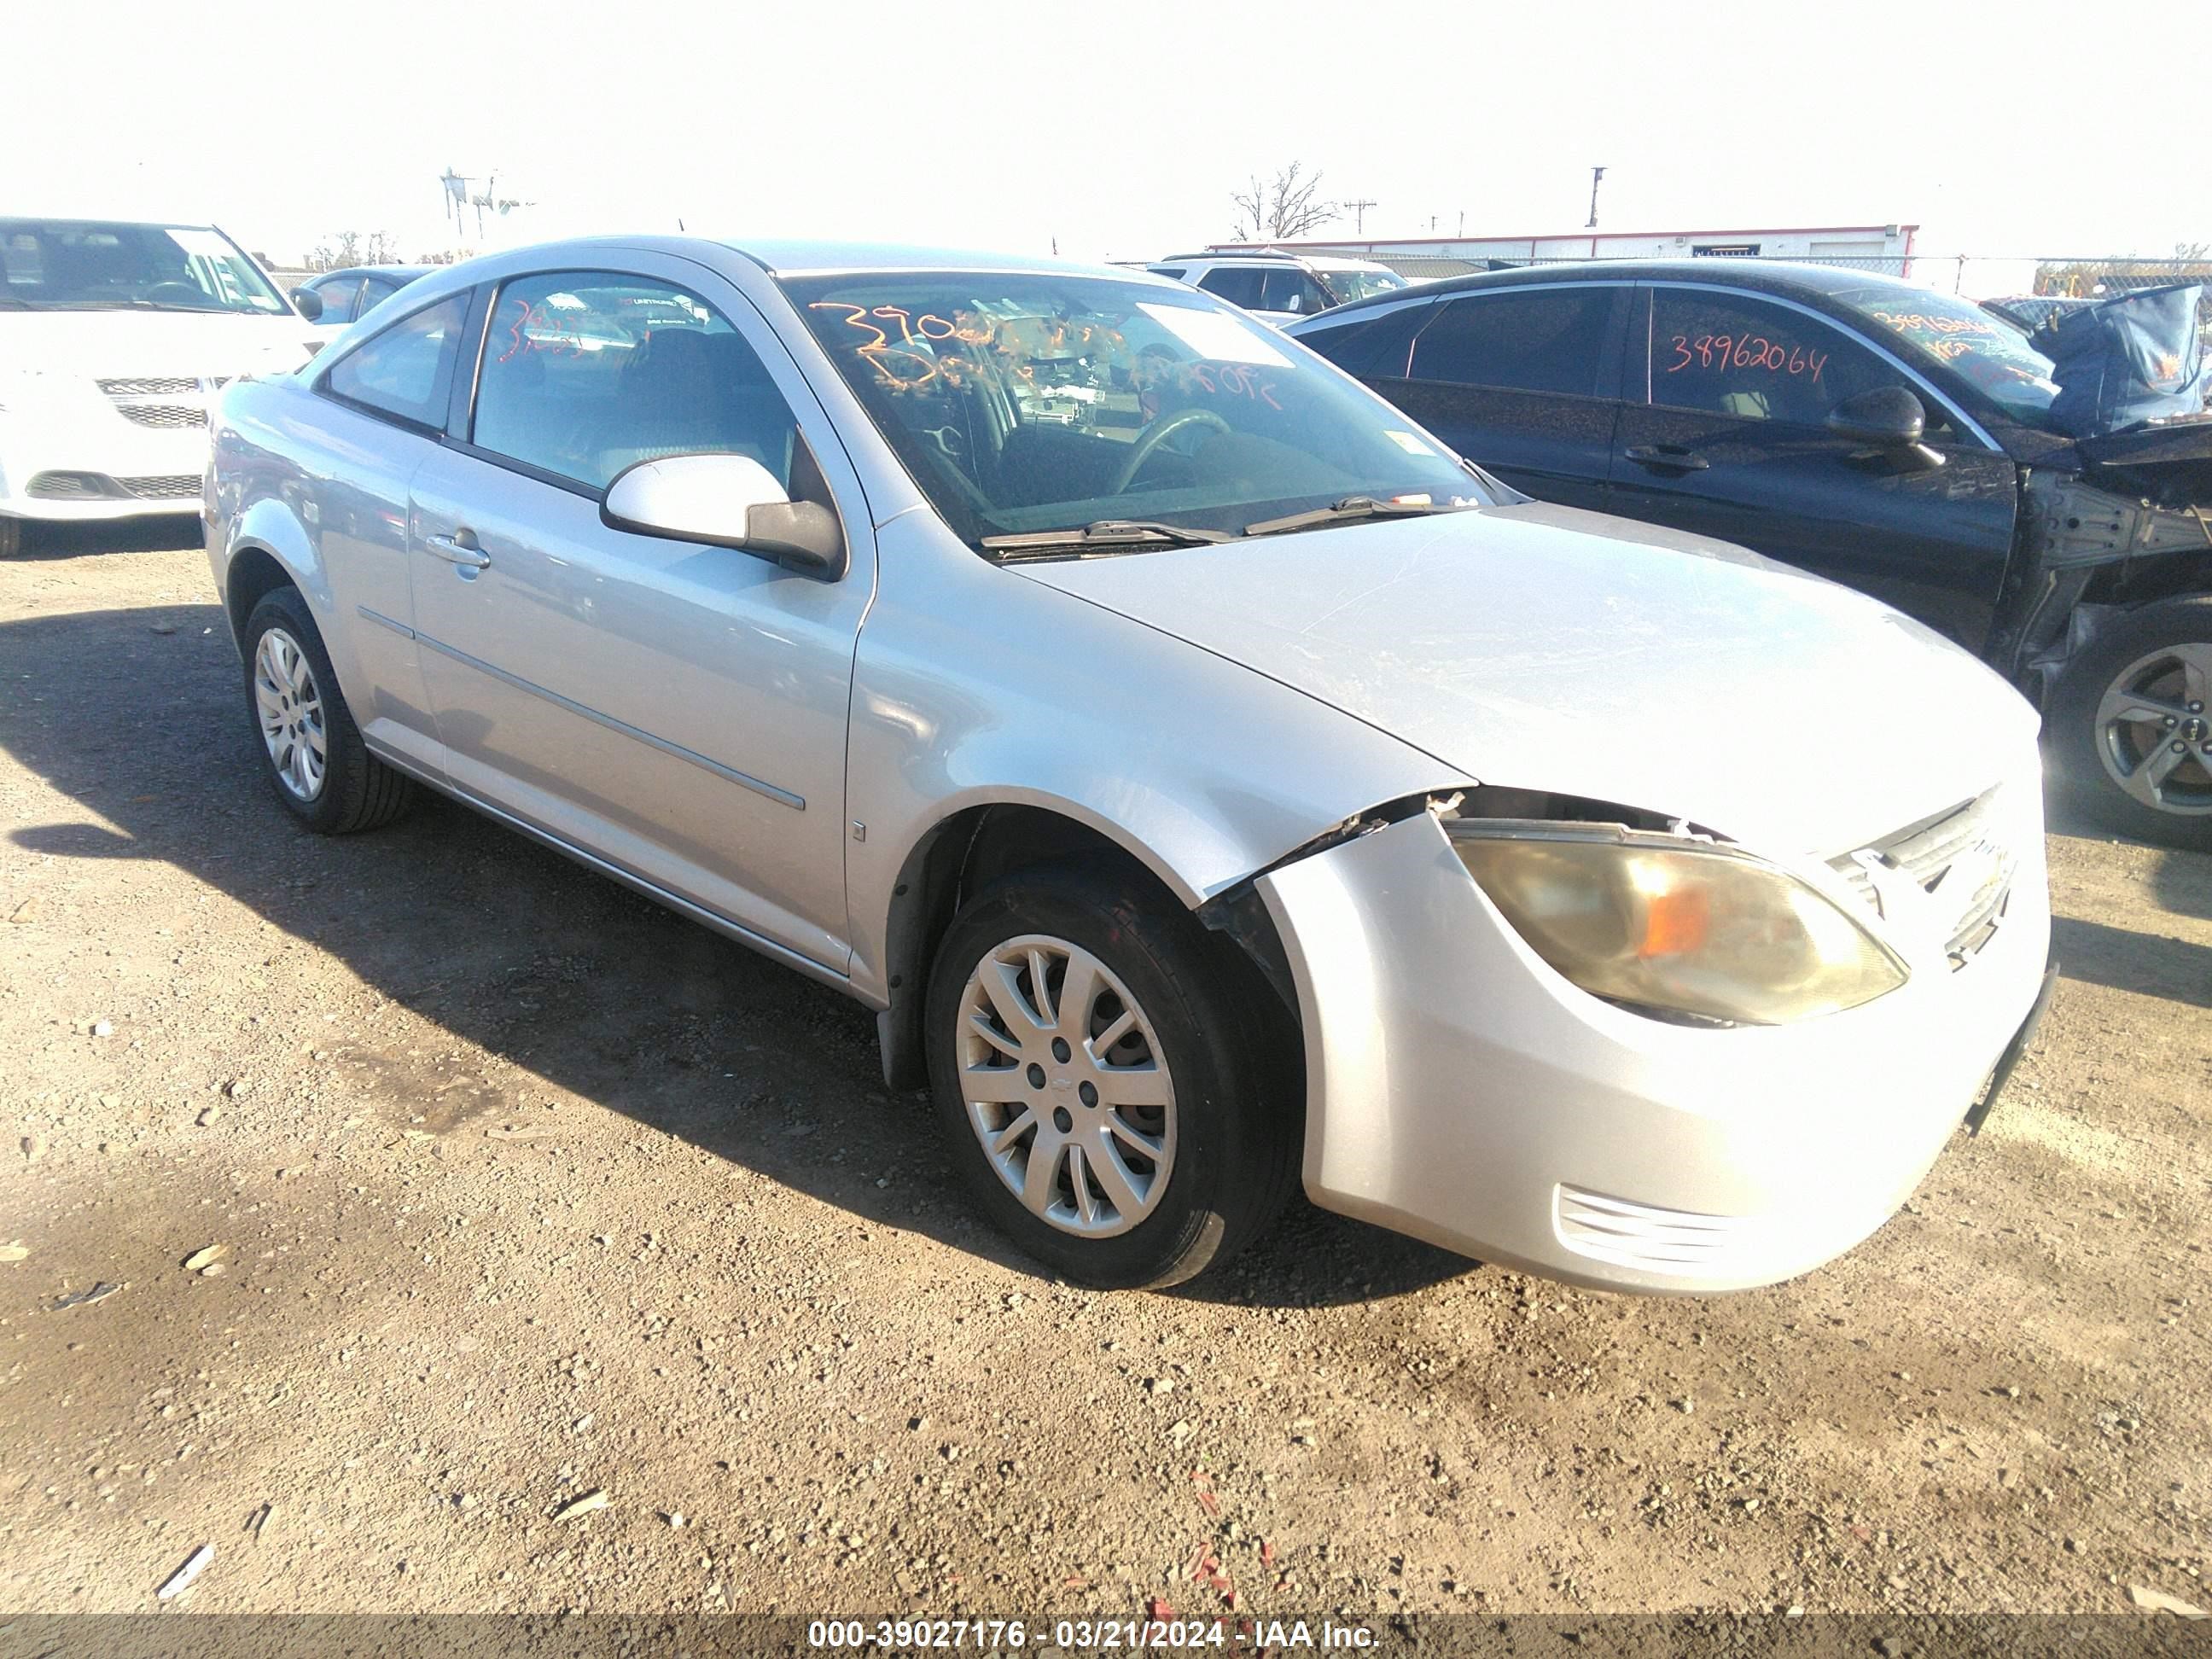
(1106,1079)
(2131,723)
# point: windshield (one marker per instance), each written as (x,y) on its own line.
(1349,285)
(1989,353)
(83,264)
(1030,403)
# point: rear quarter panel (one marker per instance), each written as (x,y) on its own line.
(323,490)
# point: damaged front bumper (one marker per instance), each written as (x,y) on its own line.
(1461,1090)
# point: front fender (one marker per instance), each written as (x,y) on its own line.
(975,687)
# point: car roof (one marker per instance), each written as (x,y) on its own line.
(1271,257)
(779,259)
(792,256)
(1782,276)
(795,257)
(408,271)
(79,216)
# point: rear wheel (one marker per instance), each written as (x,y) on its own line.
(313,751)
(1104,1081)
(2131,721)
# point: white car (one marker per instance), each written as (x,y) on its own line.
(114,335)
(1277,287)
(1208,778)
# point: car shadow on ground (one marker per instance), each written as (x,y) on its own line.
(2127,959)
(139,716)
(166,532)
(2184,886)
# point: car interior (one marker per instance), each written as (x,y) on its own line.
(575,393)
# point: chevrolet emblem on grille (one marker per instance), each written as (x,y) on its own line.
(1974,877)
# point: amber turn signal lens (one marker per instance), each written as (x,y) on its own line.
(1688,929)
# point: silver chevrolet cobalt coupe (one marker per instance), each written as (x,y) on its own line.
(1211,782)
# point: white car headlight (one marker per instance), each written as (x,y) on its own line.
(1660,924)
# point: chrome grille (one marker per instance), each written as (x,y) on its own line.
(1959,857)
(163,415)
(146,388)
(167,487)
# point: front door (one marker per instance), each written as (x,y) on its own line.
(1723,434)
(676,710)
(1522,382)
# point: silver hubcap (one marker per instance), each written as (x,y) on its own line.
(1065,1086)
(2154,733)
(290,708)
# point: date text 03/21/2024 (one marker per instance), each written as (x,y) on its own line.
(1088,1635)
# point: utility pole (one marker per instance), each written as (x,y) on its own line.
(1596,174)
(1359,214)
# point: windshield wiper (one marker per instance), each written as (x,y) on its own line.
(1100,536)
(1351,508)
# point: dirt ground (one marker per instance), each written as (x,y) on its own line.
(525,1189)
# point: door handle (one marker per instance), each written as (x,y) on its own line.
(460,549)
(1665,458)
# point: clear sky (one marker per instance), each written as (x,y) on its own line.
(1119,129)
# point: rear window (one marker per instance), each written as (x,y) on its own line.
(586,374)
(1371,344)
(338,297)
(405,371)
(1544,340)
(1239,287)
(1349,285)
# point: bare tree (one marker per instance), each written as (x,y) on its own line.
(349,248)
(1287,206)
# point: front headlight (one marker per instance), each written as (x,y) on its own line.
(1659,924)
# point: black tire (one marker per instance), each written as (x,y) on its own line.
(358,791)
(1232,1058)
(2090,759)
(11,535)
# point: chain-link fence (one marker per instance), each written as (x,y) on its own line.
(1977,275)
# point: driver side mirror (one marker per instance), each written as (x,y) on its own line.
(726,500)
(1889,419)
(309,303)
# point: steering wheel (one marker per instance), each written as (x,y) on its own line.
(1157,433)
(173,294)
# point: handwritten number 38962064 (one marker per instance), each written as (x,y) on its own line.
(1745,351)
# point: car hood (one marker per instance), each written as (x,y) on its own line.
(1542,647)
(151,345)
(2169,459)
